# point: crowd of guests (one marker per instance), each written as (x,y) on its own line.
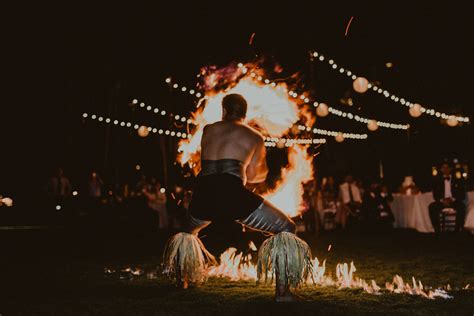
(328,204)
(351,203)
(146,199)
(348,203)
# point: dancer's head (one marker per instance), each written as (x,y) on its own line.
(234,107)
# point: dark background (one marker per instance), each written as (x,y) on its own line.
(63,61)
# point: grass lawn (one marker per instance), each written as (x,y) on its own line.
(63,273)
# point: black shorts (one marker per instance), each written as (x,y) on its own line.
(222,198)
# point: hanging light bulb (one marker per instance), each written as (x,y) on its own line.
(143,131)
(322,110)
(339,137)
(452,121)
(372,125)
(415,110)
(360,84)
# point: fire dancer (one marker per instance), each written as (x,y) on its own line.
(233,154)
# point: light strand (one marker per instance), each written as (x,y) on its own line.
(162,112)
(288,142)
(130,125)
(269,141)
(387,94)
(332,110)
(331,133)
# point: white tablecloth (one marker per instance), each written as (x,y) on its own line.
(411,211)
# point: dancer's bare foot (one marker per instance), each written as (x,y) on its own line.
(183,284)
(283,295)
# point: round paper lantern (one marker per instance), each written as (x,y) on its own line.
(415,110)
(280,144)
(322,110)
(452,121)
(372,125)
(360,84)
(143,131)
(339,137)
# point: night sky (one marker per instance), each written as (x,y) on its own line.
(96,59)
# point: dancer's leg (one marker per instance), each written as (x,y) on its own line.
(185,256)
(290,252)
(268,218)
(193,225)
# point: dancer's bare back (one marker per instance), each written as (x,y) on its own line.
(234,140)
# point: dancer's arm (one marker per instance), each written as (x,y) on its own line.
(257,169)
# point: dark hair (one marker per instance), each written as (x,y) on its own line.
(447,164)
(235,106)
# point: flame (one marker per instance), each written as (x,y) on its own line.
(288,196)
(252,246)
(271,110)
(267,106)
(238,267)
(234,266)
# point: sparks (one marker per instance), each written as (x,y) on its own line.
(348,25)
(251,38)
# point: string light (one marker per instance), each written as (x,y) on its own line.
(143,129)
(161,112)
(393,97)
(331,133)
(293,141)
(322,109)
(286,140)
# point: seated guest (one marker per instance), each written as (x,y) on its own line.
(95,188)
(309,206)
(349,194)
(308,211)
(360,185)
(386,195)
(157,202)
(326,203)
(141,185)
(329,192)
(376,204)
(448,192)
(59,186)
(408,186)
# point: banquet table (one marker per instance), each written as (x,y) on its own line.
(411,211)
